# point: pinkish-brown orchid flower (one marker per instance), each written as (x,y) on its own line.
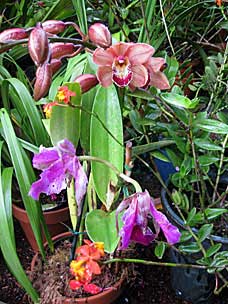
(155,66)
(123,64)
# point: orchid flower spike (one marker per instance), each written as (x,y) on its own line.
(139,207)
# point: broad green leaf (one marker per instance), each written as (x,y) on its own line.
(106,139)
(159,250)
(105,231)
(213,249)
(211,125)
(179,100)
(65,120)
(172,69)
(212,213)
(204,232)
(87,105)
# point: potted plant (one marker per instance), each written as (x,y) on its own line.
(61,168)
(195,198)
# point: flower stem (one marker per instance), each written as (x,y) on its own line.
(153,263)
(111,166)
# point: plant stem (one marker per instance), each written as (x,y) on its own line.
(153,263)
(111,166)
(220,168)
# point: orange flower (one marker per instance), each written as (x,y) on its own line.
(48,108)
(218,2)
(64,94)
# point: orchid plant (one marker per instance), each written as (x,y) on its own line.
(98,94)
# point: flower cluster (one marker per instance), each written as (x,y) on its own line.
(63,98)
(59,165)
(139,208)
(86,265)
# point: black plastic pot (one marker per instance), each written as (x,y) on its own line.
(193,285)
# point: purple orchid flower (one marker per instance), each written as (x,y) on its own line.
(139,208)
(59,165)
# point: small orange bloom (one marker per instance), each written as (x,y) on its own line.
(64,94)
(218,2)
(48,108)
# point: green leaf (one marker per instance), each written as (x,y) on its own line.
(179,100)
(65,120)
(213,249)
(204,232)
(212,213)
(172,69)
(191,215)
(105,231)
(191,248)
(25,176)
(80,10)
(185,236)
(211,125)
(151,147)
(159,250)
(7,239)
(25,105)
(207,145)
(106,139)
(206,160)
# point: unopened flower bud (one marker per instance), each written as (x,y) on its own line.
(13,34)
(55,65)
(38,45)
(54,26)
(86,81)
(43,80)
(100,35)
(60,49)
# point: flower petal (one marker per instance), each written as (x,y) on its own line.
(129,219)
(120,48)
(74,284)
(156,63)
(159,80)
(139,53)
(52,181)
(104,75)
(140,76)
(65,146)
(92,288)
(142,237)
(103,57)
(45,158)
(171,232)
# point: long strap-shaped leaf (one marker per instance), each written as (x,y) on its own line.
(80,10)
(106,145)
(25,105)
(25,176)
(7,239)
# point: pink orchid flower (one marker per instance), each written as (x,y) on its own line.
(123,64)
(130,64)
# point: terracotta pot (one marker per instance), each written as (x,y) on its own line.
(53,219)
(107,296)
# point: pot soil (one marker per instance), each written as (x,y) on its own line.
(193,285)
(51,278)
(53,219)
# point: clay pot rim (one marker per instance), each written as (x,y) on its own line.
(115,288)
(23,211)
